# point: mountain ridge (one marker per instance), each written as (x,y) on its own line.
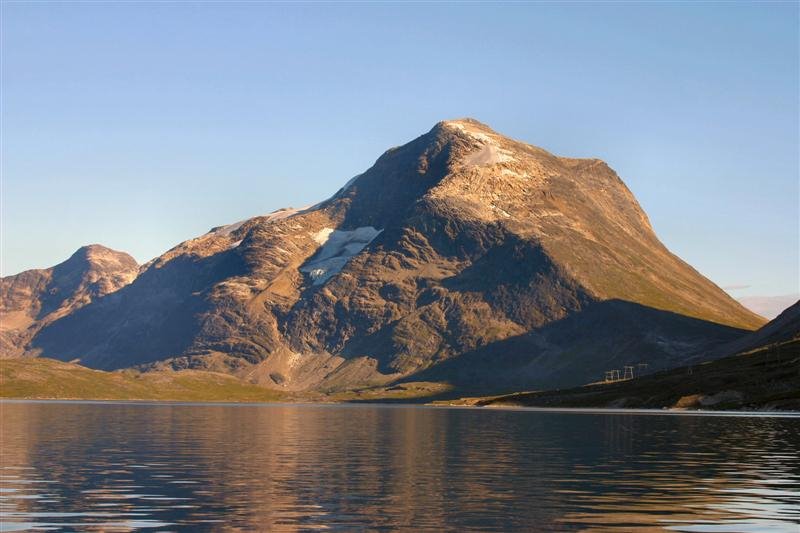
(457,240)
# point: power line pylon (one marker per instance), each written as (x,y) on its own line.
(628,372)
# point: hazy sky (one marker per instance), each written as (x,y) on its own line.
(139,125)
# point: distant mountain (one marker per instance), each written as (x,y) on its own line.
(33,299)
(768,306)
(463,255)
(784,327)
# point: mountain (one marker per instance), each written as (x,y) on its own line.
(33,299)
(785,327)
(463,251)
(761,370)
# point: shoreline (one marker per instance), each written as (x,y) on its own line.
(396,405)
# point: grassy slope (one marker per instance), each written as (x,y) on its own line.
(50,379)
(768,377)
(765,378)
(41,378)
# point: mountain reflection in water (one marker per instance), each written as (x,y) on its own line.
(123,467)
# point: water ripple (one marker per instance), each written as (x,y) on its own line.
(124,467)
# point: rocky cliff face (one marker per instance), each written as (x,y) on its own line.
(461,250)
(32,299)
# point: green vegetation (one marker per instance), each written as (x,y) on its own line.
(41,378)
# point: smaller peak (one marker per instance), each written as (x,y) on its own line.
(93,249)
(92,252)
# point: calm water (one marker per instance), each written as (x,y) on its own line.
(121,467)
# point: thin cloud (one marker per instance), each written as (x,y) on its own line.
(735,287)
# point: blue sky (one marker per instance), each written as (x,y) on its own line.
(139,125)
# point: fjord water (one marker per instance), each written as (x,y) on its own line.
(121,467)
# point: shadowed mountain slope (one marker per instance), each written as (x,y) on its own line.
(445,247)
(784,327)
(761,370)
(580,348)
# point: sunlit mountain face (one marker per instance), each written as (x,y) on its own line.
(461,256)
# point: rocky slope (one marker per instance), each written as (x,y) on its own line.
(460,250)
(32,299)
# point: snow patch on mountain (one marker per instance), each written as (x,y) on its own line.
(280,214)
(336,249)
(286,212)
(230,228)
(469,130)
(322,236)
(490,153)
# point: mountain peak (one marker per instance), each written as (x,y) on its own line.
(98,250)
(448,247)
(469,126)
(97,256)
(465,122)
(91,248)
